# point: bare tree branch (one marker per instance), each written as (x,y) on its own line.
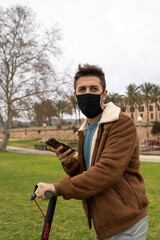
(26,63)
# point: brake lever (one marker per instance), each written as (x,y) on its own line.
(33,195)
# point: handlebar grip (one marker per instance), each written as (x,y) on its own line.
(48,194)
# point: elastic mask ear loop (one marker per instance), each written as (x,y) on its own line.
(102,92)
(100,97)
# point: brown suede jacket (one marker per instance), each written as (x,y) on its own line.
(112,189)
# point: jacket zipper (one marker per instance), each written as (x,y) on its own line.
(120,195)
(88,200)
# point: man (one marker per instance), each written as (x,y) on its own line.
(105,175)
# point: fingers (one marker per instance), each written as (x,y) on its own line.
(40,191)
(57,151)
(65,157)
(44,187)
(61,155)
(51,149)
(68,159)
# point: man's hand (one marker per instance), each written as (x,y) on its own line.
(44,187)
(64,157)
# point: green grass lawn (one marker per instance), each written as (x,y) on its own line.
(26,143)
(30,143)
(20,218)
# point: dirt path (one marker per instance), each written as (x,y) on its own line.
(150,158)
(27,150)
(143,158)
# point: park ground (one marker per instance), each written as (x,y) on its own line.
(22,168)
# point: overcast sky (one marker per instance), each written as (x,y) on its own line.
(121,36)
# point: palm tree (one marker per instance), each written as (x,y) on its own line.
(132,96)
(139,101)
(155,98)
(119,100)
(113,97)
(146,91)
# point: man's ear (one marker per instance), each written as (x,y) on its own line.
(75,95)
(105,94)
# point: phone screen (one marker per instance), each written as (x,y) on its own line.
(55,144)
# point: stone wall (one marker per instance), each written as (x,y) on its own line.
(145,131)
(67,133)
(39,132)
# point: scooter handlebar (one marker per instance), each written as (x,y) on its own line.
(47,194)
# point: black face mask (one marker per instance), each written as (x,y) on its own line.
(89,104)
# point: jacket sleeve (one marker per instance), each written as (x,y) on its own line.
(73,168)
(113,161)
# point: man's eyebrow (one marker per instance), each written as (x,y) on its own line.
(84,86)
(81,86)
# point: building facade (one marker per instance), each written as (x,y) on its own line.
(150,115)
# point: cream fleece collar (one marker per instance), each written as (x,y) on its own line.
(110,114)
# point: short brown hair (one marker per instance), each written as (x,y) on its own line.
(90,70)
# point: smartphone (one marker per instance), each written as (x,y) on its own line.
(55,144)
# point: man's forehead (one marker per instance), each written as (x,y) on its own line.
(88,81)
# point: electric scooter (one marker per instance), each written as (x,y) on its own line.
(50,212)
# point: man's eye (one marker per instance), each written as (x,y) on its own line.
(81,89)
(94,89)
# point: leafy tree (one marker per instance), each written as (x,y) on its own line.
(26,63)
(156,128)
(132,94)
(146,92)
(45,112)
(74,105)
(63,106)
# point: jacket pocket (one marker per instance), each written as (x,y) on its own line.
(111,207)
(138,187)
(120,195)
